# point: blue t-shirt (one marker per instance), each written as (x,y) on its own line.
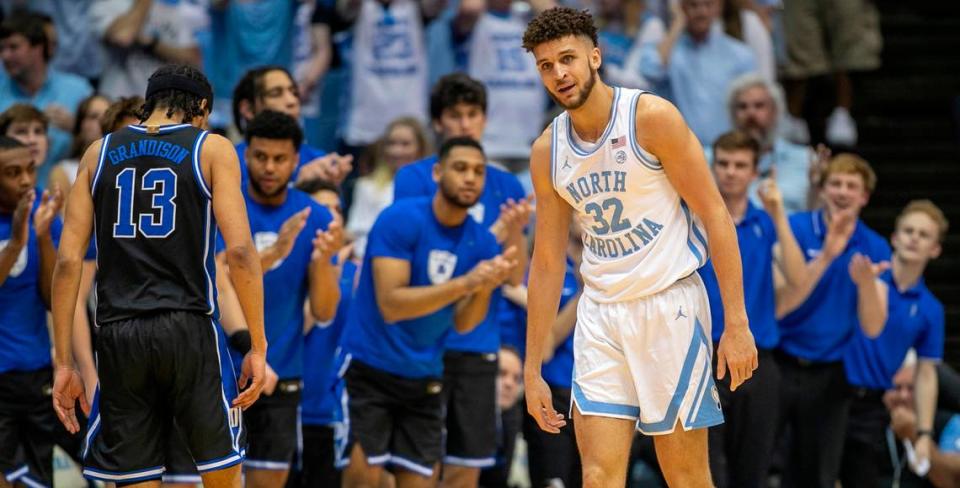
(318,403)
(287,283)
(915,319)
(820,328)
(558,371)
(416,180)
(756,235)
(408,230)
(950,437)
(307,153)
(24,340)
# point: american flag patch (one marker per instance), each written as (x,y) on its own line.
(618,142)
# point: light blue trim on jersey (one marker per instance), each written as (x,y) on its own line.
(670,419)
(193,479)
(613,121)
(266,465)
(692,229)
(342,441)
(93,424)
(553,152)
(100,159)
(14,475)
(126,477)
(197,173)
(647,159)
(411,466)
(30,482)
(588,406)
(163,128)
(698,398)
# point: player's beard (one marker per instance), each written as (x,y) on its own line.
(259,190)
(582,96)
(451,196)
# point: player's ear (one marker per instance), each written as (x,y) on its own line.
(596,59)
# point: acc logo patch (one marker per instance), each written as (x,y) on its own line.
(20,264)
(440,266)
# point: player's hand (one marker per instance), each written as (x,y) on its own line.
(839,231)
(289,231)
(330,167)
(903,422)
(863,271)
(270,381)
(67,389)
(818,165)
(253,375)
(49,208)
(21,219)
(514,217)
(540,405)
(922,447)
(327,243)
(736,353)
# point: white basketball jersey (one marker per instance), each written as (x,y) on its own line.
(389,72)
(639,237)
(516,97)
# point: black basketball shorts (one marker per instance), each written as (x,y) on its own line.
(396,420)
(27,426)
(472,416)
(273,428)
(155,369)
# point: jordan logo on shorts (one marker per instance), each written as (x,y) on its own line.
(680,314)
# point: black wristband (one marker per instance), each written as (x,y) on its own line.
(921,433)
(240,340)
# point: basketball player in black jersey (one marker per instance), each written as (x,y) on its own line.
(155,194)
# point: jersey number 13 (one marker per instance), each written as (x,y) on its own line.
(160,220)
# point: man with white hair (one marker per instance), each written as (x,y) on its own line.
(756,107)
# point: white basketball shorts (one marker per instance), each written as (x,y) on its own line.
(648,360)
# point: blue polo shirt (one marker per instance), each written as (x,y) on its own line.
(409,230)
(416,180)
(821,327)
(756,235)
(24,340)
(63,89)
(915,319)
(319,403)
(558,371)
(286,284)
(307,153)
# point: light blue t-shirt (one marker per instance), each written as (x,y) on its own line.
(697,78)
(792,162)
(408,230)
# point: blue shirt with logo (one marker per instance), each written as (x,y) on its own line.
(915,319)
(756,236)
(558,371)
(820,328)
(319,403)
(24,340)
(287,283)
(416,180)
(408,230)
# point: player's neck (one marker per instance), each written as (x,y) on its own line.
(592,118)
(447,214)
(906,274)
(271,200)
(736,205)
(159,118)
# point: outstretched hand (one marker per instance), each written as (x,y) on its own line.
(252,377)
(737,353)
(540,405)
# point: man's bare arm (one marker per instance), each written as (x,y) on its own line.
(400,301)
(662,130)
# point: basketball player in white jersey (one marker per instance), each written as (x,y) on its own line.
(627,167)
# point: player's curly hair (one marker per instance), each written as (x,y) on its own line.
(274,125)
(177,100)
(559,22)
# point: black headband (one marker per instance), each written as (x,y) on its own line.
(181,83)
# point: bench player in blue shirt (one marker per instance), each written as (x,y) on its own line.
(429,270)
(741,448)
(302,272)
(915,320)
(458,106)
(839,293)
(29,233)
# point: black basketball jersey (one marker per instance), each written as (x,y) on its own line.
(154,224)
